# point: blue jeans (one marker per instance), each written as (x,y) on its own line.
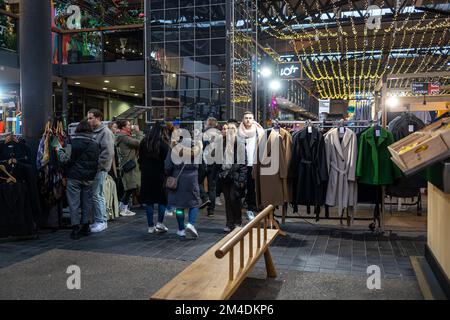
(161,211)
(192,217)
(98,197)
(79,194)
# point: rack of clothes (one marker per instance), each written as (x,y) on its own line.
(20,212)
(330,165)
(51,179)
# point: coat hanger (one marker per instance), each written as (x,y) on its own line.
(10,177)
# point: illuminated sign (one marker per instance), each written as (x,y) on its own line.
(290,71)
(74,20)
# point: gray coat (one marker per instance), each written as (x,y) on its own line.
(187,194)
(105,138)
(342,190)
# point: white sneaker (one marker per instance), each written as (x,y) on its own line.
(218,201)
(94,225)
(181,233)
(250,215)
(168,213)
(151,229)
(227,229)
(191,230)
(100,227)
(160,227)
(127,213)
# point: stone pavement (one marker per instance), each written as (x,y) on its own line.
(326,250)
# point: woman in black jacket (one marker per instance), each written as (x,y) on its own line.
(82,165)
(233,178)
(152,153)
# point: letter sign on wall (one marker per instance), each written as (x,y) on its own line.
(74,20)
(290,71)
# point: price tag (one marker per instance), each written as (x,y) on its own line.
(411,128)
(310,129)
(377,133)
(341,130)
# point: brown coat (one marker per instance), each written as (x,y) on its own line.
(272,187)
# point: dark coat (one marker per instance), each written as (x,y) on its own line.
(374,164)
(308,168)
(406,186)
(83,163)
(152,174)
(237,174)
(187,195)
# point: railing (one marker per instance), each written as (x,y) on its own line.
(265,216)
(103,44)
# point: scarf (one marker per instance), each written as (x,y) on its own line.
(125,131)
(229,152)
(256,129)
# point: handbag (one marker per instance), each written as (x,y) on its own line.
(129,165)
(172,182)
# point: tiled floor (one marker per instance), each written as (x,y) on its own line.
(306,247)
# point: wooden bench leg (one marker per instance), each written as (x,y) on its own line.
(270,268)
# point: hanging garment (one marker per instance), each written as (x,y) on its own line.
(308,168)
(406,186)
(374,164)
(341,160)
(111,199)
(273,188)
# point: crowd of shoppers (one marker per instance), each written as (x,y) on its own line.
(147,163)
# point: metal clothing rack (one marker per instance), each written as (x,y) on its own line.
(333,124)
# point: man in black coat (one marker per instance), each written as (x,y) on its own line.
(82,165)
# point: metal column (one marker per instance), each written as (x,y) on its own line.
(35,67)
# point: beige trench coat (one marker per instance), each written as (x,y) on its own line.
(273,189)
(342,190)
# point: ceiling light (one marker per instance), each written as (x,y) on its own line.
(107,81)
(136,94)
(392,101)
(132,87)
(275,85)
(114,90)
(77,83)
(266,72)
(105,88)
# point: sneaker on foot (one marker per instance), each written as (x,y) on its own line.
(204,204)
(160,227)
(227,229)
(100,227)
(127,213)
(181,233)
(210,214)
(151,229)
(218,201)
(191,230)
(85,230)
(250,215)
(75,234)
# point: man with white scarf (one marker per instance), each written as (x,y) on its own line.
(251,131)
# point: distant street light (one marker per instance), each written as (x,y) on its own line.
(275,85)
(266,72)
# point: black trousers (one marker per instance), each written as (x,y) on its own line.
(210,172)
(233,204)
(250,196)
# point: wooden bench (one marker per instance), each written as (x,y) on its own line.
(211,277)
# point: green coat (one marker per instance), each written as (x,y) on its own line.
(374,165)
(128,149)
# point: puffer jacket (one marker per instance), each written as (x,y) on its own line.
(83,163)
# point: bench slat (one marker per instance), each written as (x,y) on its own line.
(207,278)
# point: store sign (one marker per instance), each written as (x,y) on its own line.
(290,71)
(74,20)
(424,88)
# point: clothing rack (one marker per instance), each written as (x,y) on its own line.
(362,124)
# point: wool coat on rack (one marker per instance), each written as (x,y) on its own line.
(308,168)
(273,188)
(342,190)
